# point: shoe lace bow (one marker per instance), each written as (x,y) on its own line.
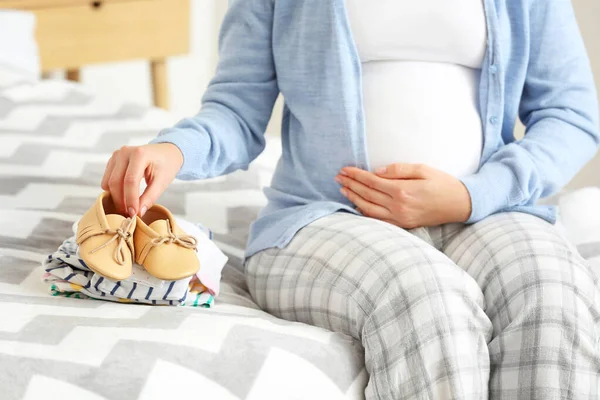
(186,241)
(123,236)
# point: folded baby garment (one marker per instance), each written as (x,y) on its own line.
(68,275)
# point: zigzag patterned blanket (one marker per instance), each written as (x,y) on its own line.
(54,141)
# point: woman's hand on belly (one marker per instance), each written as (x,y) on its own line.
(407,195)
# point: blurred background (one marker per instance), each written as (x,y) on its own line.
(187,75)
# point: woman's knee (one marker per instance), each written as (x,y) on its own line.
(410,275)
(298,294)
(417,288)
(555,285)
(411,281)
(432,287)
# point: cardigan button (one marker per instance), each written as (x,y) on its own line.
(493,120)
(493,69)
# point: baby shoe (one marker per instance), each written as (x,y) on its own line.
(105,239)
(163,248)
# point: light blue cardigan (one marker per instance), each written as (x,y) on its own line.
(535,67)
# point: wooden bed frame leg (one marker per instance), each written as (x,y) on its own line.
(158,69)
(73,75)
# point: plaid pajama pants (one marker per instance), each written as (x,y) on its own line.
(502,309)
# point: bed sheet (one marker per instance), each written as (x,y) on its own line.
(55,139)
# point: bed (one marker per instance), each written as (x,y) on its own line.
(54,141)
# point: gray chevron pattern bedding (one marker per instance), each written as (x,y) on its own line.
(54,141)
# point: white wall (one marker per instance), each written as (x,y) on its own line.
(189,75)
(588,15)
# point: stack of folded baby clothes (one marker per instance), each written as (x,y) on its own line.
(157,259)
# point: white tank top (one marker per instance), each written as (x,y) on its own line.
(421,63)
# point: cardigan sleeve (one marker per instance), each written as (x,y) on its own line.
(228,132)
(559,108)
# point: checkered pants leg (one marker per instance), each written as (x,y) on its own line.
(544,303)
(419,313)
(419,317)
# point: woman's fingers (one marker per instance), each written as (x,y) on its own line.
(369,179)
(156,186)
(131,180)
(158,164)
(364,191)
(404,171)
(107,172)
(115,181)
(366,207)
(164,161)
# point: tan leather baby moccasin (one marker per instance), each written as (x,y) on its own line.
(105,239)
(163,248)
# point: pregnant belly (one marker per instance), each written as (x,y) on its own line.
(422,113)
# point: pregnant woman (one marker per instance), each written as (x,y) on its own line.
(403,211)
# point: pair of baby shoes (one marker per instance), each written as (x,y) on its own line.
(109,243)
